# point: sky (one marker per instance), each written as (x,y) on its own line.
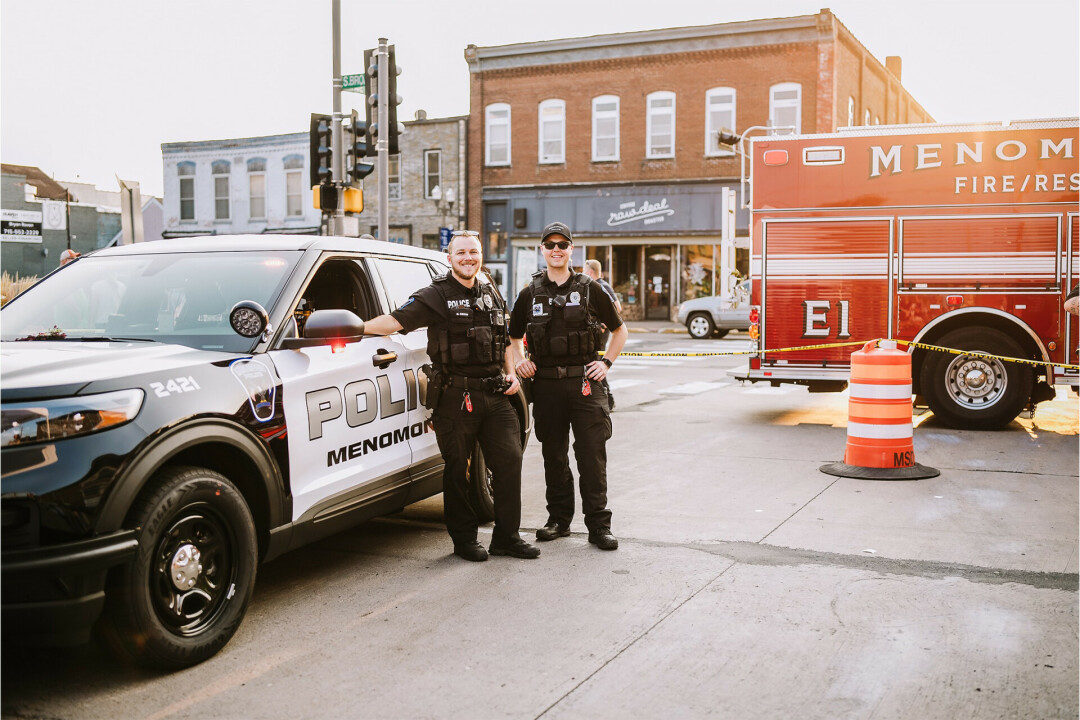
(90,90)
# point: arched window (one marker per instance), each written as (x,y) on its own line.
(294,185)
(186,171)
(719,115)
(660,125)
(497,134)
(552,128)
(220,170)
(257,188)
(785,107)
(605,128)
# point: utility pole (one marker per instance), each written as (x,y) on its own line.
(382,143)
(336,223)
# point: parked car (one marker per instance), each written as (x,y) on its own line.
(174,412)
(712,316)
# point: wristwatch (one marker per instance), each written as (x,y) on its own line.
(605,361)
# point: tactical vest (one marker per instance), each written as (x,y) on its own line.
(562,329)
(473,331)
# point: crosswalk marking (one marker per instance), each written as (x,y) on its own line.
(619,383)
(694,388)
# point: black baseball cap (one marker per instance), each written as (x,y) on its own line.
(557,228)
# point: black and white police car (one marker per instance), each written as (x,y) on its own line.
(175,412)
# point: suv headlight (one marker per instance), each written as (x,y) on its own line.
(49,420)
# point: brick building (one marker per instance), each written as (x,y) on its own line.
(616,135)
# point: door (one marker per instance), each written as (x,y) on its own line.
(347,408)
(658,282)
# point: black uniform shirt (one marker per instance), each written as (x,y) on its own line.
(600,305)
(426,307)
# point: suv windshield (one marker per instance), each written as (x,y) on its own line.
(182,298)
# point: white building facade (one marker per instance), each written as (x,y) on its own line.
(242,185)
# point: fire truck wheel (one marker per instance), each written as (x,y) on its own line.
(700,326)
(974,392)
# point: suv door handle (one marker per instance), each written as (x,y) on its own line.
(383,358)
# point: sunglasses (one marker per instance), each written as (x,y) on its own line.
(562,245)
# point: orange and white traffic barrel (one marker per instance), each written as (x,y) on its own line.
(880,437)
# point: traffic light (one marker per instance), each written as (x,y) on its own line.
(320,137)
(371,80)
(356,151)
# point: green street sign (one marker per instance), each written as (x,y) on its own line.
(353,83)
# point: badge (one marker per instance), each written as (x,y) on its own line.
(575,298)
(538,309)
(489,302)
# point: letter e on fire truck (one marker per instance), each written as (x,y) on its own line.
(958,236)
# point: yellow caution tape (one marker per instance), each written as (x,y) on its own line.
(738,352)
(924,346)
(972,353)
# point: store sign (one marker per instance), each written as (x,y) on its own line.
(647,213)
(20,226)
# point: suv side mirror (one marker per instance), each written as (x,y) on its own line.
(328,327)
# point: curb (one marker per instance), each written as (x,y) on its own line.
(666,330)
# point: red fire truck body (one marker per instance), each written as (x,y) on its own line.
(958,236)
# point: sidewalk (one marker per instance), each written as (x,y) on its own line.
(654,326)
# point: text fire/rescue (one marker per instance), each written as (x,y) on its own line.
(929,155)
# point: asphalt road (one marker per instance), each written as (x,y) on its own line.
(748,584)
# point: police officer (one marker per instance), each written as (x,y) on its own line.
(560,313)
(469,391)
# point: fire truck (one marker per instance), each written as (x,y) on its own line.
(957,236)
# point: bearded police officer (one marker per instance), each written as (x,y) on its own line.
(469,391)
(560,313)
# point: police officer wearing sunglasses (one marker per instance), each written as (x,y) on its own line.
(560,314)
(469,390)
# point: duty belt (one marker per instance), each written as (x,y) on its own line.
(489,384)
(560,371)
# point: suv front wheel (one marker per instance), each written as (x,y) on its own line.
(188,588)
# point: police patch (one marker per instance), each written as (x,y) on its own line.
(538,309)
(575,298)
(407,303)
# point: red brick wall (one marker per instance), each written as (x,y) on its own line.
(750,71)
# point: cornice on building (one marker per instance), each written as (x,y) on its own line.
(247,143)
(724,36)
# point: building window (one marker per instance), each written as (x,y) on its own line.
(257,184)
(660,125)
(785,107)
(605,128)
(220,170)
(294,193)
(497,134)
(432,171)
(294,185)
(866,117)
(393,177)
(552,123)
(850,111)
(257,188)
(186,171)
(719,115)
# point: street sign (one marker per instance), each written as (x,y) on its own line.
(353,83)
(444,238)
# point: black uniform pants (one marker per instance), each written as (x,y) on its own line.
(558,406)
(495,425)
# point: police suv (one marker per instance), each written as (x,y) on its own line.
(175,412)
